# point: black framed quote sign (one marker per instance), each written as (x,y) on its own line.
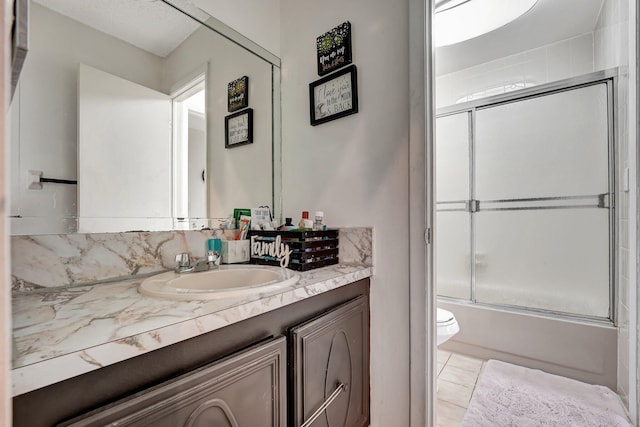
(334,96)
(238,94)
(334,49)
(238,128)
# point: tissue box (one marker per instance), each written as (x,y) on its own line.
(235,251)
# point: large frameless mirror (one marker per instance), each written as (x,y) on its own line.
(118,120)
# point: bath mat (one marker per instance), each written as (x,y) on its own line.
(513,396)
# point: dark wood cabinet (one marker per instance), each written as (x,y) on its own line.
(330,368)
(274,369)
(245,389)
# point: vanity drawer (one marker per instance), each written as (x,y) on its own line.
(245,389)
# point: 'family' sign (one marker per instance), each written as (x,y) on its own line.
(274,249)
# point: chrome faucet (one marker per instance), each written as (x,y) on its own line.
(209,262)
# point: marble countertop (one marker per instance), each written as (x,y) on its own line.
(66,332)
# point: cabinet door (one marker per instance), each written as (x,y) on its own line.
(243,390)
(331,364)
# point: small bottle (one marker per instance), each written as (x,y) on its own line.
(317,223)
(305,216)
(288,225)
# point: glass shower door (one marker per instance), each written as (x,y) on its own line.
(542,230)
(453,236)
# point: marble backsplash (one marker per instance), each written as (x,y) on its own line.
(49,261)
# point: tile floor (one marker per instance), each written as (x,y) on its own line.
(457,377)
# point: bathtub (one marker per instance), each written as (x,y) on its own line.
(582,350)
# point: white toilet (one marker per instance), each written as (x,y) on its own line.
(447,325)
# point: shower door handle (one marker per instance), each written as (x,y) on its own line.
(473,206)
(606,200)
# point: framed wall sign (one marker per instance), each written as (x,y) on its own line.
(334,49)
(334,96)
(238,94)
(238,128)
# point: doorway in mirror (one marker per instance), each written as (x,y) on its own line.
(190,155)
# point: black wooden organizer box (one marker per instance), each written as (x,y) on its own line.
(310,249)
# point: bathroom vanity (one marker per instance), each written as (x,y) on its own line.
(272,364)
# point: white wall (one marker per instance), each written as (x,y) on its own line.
(563,59)
(356,169)
(611,39)
(258,20)
(611,49)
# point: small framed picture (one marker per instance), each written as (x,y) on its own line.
(238,128)
(334,96)
(238,94)
(334,49)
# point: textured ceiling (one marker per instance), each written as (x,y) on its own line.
(547,22)
(148,24)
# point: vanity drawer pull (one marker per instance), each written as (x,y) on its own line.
(341,387)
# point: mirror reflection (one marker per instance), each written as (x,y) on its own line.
(129,99)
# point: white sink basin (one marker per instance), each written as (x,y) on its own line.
(225,282)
